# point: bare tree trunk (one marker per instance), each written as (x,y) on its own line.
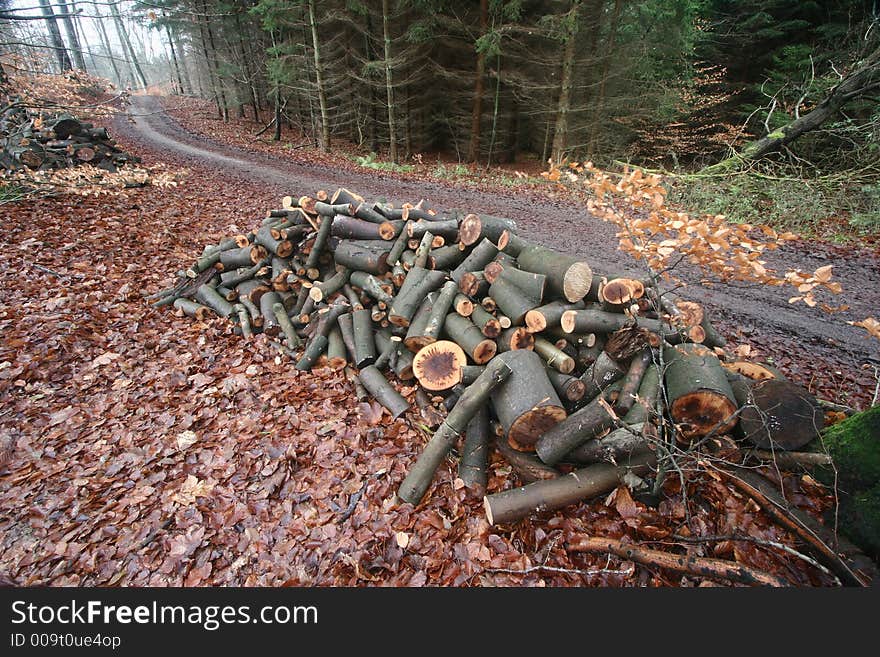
(126,43)
(322,96)
(55,35)
(560,134)
(75,48)
(598,106)
(102,31)
(213,63)
(174,57)
(389,87)
(477,111)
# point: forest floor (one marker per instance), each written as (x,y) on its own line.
(139,448)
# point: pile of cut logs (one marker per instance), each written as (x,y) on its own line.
(565,371)
(37,141)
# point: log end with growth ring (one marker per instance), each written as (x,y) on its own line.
(438,365)
(484,351)
(470,230)
(531,425)
(577,281)
(703,411)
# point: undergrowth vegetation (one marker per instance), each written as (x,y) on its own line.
(834,207)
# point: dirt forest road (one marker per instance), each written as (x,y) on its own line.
(759,312)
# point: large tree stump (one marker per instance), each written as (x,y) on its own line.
(777,414)
(527,404)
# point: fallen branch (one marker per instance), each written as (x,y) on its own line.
(715,569)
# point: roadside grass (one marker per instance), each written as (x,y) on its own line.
(836,209)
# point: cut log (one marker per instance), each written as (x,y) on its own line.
(473,467)
(403,361)
(417,481)
(700,397)
(512,301)
(511,243)
(236,259)
(469,373)
(573,431)
(365,256)
(549,315)
(485,321)
(528,467)
(281,316)
(418,283)
(208,296)
(364,345)
(516,337)
(776,414)
(273,243)
(446,257)
(473,284)
(312,353)
(551,494)
(439,310)
(267,310)
(569,388)
(601,374)
(192,309)
(447,229)
(591,320)
(415,337)
(464,332)
(527,404)
(481,255)
(754,371)
(382,391)
(554,357)
(319,244)
(328,210)
(438,365)
(342,195)
(532,285)
(567,276)
(372,286)
(422,250)
(337,357)
(325,289)
(462,305)
(632,381)
(476,227)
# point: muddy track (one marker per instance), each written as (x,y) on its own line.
(756,310)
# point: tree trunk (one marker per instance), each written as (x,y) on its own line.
(861,81)
(174,60)
(72,37)
(55,35)
(701,400)
(126,43)
(598,105)
(560,134)
(319,80)
(479,79)
(389,83)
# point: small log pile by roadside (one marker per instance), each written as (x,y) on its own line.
(39,142)
(566,372)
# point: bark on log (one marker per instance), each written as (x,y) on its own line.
(364,344)
(419,282)
(447,229)
(327,288)
(312,353)
(516,337)
(319,244)
(528,467)
(337,357)
(485,321)
(527,404)
(567,276)
(576,429)
(632,381)
(549,495)
(382,391)
(700,397)
(473,284)
(415,335)
(511,243)
(466,334)
(473,467)
(446,257)
(601,374)
(483,226)
(270,322)
(419,478)
(371,285)
(208,296)
(192,309)
(532,285)
(549,315)
(481,255)
(569,388)
(512,301)
(365,256)
(281,316)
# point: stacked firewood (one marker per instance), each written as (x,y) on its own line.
(529,350)
(36,141)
